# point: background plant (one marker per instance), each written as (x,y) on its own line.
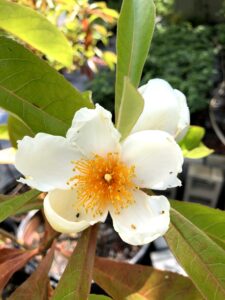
(86,26)
(44,101)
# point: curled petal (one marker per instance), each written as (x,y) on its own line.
(62,212)
(184,116)
(45,160)
(144,221)
(156,157)
(93,132)
(164,109)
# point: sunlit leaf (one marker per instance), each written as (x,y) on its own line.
(36,30)
(210,220)
(36,93)
(4,135)
(134,34)
(76,279)
(131,107)
(192,145)
(199,152)
(200,256)
(137,282)
(10,204)
(37,285)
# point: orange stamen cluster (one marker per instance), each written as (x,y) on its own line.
(102,181)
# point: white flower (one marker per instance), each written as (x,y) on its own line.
(164,109)
(89,173)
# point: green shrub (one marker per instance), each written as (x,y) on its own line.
(184,55)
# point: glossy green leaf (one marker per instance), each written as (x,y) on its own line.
(4,135)
(35,92)
(9,205)
(192,145)
(209,220)
(76,279)
(200,256)
(17,130)
(123,281)
(36,287)
(36,30)
(134,34)
(131,107)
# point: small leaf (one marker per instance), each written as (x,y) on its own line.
(193,137)
(9,205)
(13,260)
(191,144)
(199,152)
(35,92)
(134,282)
(131,107)
(201,257)
(17,130)
(209,220)
(4,135)
(76,279)
(36,30)
(134,34)
(36,286)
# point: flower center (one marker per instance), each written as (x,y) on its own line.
(102,181)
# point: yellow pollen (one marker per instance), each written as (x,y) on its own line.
(102,181)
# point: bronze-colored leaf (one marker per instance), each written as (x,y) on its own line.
(36,287)
(13,260)
(136,282)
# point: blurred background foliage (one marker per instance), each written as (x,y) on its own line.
(186,53)
(188,47)
(86,25)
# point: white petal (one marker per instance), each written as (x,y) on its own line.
(93,132)
(156,156)
(60,211)
(45,161)
(144,221)
(184,116)
(162,108)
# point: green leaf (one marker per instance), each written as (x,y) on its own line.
(201,257)
(17,130)
(191,144)
(35,92)
(134,34)
(36,287)
(76,279)
(136,282)
(131,107)
(36,30)
(199,152)
(98,297)
(4,135)
(193,137)
(9,205)
(209,220)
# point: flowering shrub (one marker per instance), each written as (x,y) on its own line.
(81,166)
